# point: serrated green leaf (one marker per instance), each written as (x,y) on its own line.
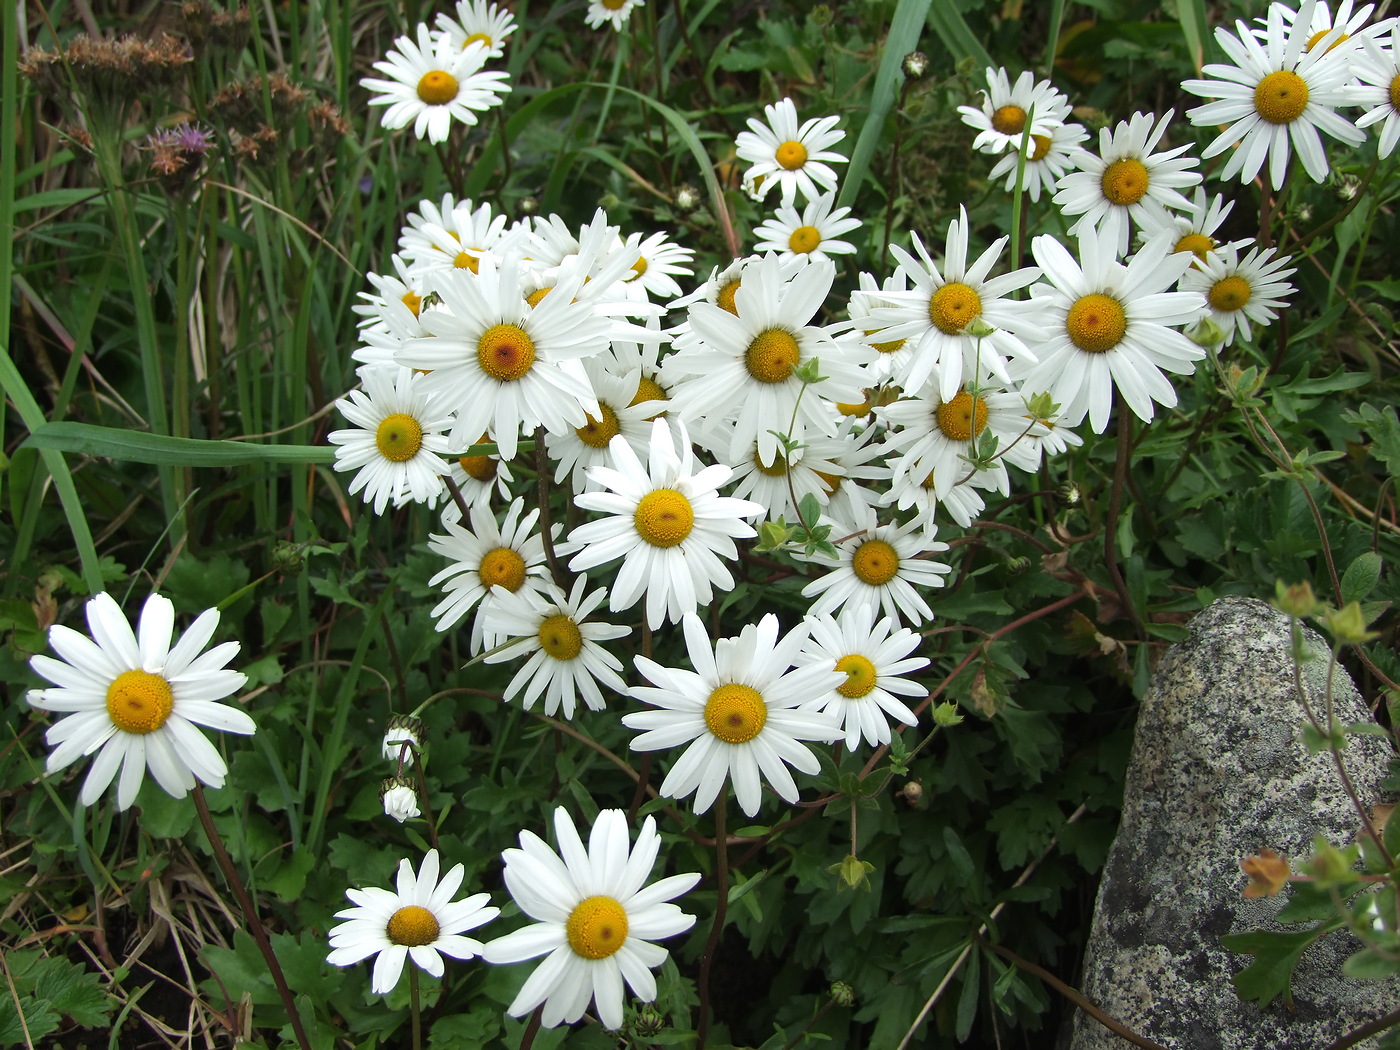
(1370,965)
(959,857)
(1276,956)
(1361,577)
(73,992)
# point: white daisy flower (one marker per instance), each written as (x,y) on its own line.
(740,365)
(1278,91)
(1193,229)
(565,657)
(808,470)
(420,921)
(873,656)
(399,296)
(1001,119)
(1051,156)
(454,239)
(935,314)
(398,445)
(596,918)
(479,480)
(812,233)
(503,362)
(587,446)
(893,356)
(658,265)
(963,503)
(1379,90)
(1349,19)
(432,83)
(738,710)
(478,22)
(667,524)
(135,700)
(1239,291)
(1105,326)
(789,157)
(1127,182)
(625,357)
(510,555)
(879,564)
(615,11)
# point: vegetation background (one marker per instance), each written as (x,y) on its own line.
(219,308)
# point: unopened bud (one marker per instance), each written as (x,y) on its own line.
(1296,600)
(913,792)
(399,797)
(842,994)
(915,65)
(649,1022)
(1069,493)
(687,198)
(1346,186)
(403,738)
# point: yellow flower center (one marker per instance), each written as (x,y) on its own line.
(1316,39)
(1096,323)
(1125,181)
(482,468)
(1040,146)
(875,562)
(505,352)
(597,926)
(413,925)
(1009,120)
(724,299)
(1229,294)
(1395,93)
(614,5)
(1197,243)
(1281,97)
(771,355)
(399,437)
(777,469)
(735,713)
(139,702)
(465,260)
(560,637)
(413,301)
(664,517)
(477,38)
(860,676)
(848,408)
(502,566)
(648,389)
(535,297)
(962,418)
(791,155)
(437,88)
(891,346)
(952,306)
(805,240)
(596,433)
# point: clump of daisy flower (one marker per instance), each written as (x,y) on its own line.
(787,156)
(813,232)
(739,711)
(417,920)
(596,918)
(1006,110)
(433,82)
(1240,290)
(134,699)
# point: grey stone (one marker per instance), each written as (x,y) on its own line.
(1218,772)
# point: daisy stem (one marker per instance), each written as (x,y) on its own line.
(532,1029)
(456,494)
(542,490)
(415,1011)
(427,809)
(721,906)
(1115,505)
(250,914)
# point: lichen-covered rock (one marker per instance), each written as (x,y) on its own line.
(1219,772)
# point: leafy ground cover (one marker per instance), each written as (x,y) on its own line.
(199,198)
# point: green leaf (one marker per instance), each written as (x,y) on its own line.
(959,857)
(961,41)
(1371,965)
(1276,955)
(133,447)
(39,1020)
(1361,577)
(967,1001)
(465,1031)
(73,992)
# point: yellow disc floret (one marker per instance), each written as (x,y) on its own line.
(771,355)
(398,437)
(477,38)
(1281,97)
(648,389)
(537,296)
(413,301)
(614,5)
(139,701)
(502,567)
(1395,93)
(560,637)
(1196,243)
(1040,146)
(860,676)
(777,469)
(465,260)
(962,418)
(724,298)
(597,927)
(1009,120)
(664,517)
(596,433)
(1125,181)
(953,306)
(482,468)
(437,87)
(805,240)
(1096,323)
(735,713)
(1317,37)
(791,155)
(875,562)
(505,352)
(1229,294)
(412,926)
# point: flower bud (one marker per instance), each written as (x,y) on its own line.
(915,65)
(687,198)
(403,738)
(399,798)
(842,994)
